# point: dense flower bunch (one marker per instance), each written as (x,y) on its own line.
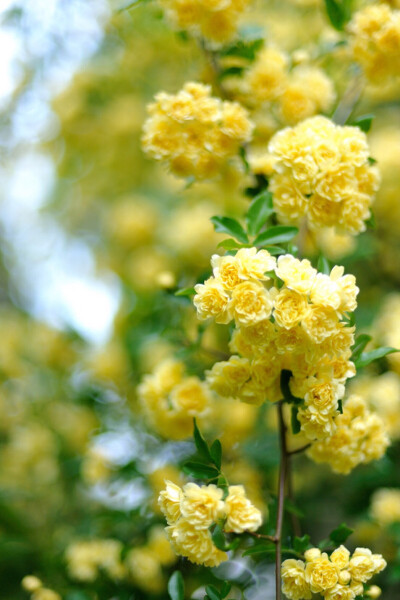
(385,506)
(295,94)
(85,559)
(191,511)
(322,171)
(360,437)
(339,576)
(170,400)
(375,32)
(383,396)
(296,327)
(34,585)
(195,132)
(215,20)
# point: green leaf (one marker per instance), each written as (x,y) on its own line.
(338,12)
(359,345)
(276,235)
(246,49)
(364,122)
(290,507)
(230,226)
(212,592)
(325,544)
(218,537)
(231,244)
(367,358)
(323,265)
(230,72)
(260,549)
(371,222)
(300,544)
(216,453)
(201,444)
(200,470)
(340,534)
(225,589)
(340,406)
(372,161)
(176,586)
(260,209)
(189,291)
(274,250)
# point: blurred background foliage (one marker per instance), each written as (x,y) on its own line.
(94,240)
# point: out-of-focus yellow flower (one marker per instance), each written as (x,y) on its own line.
(385,506)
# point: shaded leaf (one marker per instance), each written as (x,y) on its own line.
(323,265)
(263,548)
(189,291)
(300,544)
(359,345)
(276,235)
(230,226)
(367,358)
(340,534)
(200,470)
(364,122)
(216,453)
(231,244)
(218,537)
(213,593)
(338,13)
(260,209)
(201,444)
(176,586)
(225,589)
(296,425)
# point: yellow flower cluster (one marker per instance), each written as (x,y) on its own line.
(360,437)
(32,584)
(383,396)
(170,400)
(321,171)
(295,94)
(385,506)
(144,564)
(339,576)
(85,559)
(375,33)
(215,20)
(191,511)
(297,327)
(195,132)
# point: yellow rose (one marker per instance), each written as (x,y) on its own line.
(201,506)
(289,308)
(341,557)
(211,300)
(170,502)
(319,323)
(228,377)
(195,544)
(240,512)
(298,275)
(251,303)
(362,566)
(294,584)
(321,574)
(190,396)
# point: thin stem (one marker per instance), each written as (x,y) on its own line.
(299,450)
(262,536)
(211,57)
(349,100)
(294,518)
(283,470)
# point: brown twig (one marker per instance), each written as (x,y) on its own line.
(261,536)
(299,450)
(283,470)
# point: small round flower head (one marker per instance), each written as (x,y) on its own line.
(375,41)
(266,79)
(241,515)
(194,132)
(215,20)
(294,584)
(201,506)
(360,437)
(385,506)
(321,171)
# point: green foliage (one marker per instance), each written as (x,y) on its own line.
(339,12)
(294,421)
(278,234)
(189,291)
(367,358)
(176,586)
(339,535)
(206,464)
(323,265)
(230,226)
(358,347)
(364,122)
(300,544)
(259,211)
